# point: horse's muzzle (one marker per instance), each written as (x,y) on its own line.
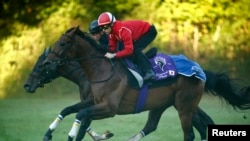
(28,88)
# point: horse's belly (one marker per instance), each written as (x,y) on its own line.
(156,97)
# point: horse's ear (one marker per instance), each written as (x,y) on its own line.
(47,51)
(74,30)
(77,28)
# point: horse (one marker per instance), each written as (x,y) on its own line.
(72,71)
(39,77)
(113,94)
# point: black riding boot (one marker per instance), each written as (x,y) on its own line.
(144,64)
(149,75)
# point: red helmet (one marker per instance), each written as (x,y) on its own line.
(106,18)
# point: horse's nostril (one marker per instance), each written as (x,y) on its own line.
(26,86)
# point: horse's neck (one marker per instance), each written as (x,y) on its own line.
(72,72)
(97,69)
(94,64)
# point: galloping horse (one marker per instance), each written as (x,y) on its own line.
(72,71)
(113,94)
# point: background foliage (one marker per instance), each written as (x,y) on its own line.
(213,33)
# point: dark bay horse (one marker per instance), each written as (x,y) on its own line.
(113,95)
(72,71)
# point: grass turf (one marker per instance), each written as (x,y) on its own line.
(28,118)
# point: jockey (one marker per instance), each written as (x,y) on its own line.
(135,35)
(98,34)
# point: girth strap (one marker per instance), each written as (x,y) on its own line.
(141,99)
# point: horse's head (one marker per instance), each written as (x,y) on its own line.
(73,45)
(39,76)
(64,50)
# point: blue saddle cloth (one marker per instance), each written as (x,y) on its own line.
(187,67)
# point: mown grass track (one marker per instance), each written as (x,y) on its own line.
(27,119)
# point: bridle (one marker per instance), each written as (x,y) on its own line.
(65,60)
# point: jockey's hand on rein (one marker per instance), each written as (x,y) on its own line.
(110,55)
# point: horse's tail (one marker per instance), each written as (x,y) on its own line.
(219,84)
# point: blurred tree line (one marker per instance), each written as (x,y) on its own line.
(214,33)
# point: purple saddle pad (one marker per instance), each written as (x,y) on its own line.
(163,66)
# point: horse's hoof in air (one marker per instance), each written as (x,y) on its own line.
(46,138)
(104,136)
(108,134)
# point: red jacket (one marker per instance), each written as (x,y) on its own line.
(127,32)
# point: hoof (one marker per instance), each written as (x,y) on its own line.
(104,136)
(108,134)
(46,138)
(70,138)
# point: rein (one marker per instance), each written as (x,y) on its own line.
(94,57)
(71,71)
(62,61)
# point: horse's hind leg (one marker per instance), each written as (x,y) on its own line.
(151,125)
(186,123)
(186,102)
(200,120)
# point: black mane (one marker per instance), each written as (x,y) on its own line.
(86,36)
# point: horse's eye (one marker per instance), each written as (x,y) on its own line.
(62,44)
(40,66)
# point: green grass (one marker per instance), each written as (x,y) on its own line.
(27,118)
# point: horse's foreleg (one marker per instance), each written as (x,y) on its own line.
(52,127)
(97,137)
(66,111)
(82,131)
(87,113)
(151,125)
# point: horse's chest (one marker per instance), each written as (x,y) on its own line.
(98,98)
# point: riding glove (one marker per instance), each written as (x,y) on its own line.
(110,55)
